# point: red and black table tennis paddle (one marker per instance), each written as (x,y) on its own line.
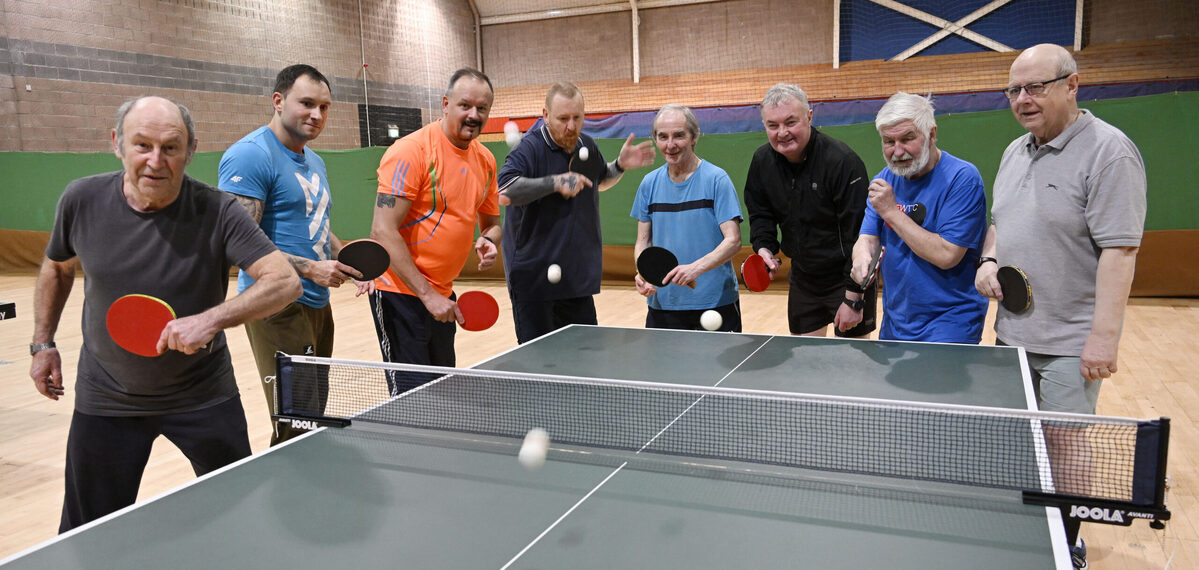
(917,213)
(755,274)
(872,272)
(479,310)
(593,168)
(1017,292)
(367,256)
(654,263)
(135,323)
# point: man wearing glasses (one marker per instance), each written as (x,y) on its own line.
(1069,209)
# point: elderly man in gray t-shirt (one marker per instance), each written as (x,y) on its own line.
(1069,209)
(149,229)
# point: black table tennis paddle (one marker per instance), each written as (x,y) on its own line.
(873,271)
(654,263)
(1017,292)
(368,256)
(593,167)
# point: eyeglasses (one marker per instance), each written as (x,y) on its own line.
(1034,89)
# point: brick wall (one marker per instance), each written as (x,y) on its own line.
(745,34)
(65,65)
(720,36)
(563,49)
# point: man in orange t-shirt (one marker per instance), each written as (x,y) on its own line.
(435,185)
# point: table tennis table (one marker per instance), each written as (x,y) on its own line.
(355,497)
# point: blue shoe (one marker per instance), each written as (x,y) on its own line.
(1078,555)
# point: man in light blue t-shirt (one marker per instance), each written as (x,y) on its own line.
(927,208)
(688,206)
(283,184)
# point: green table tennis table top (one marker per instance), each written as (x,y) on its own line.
(365,498)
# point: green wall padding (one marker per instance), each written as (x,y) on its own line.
(1165,128)
(35,180)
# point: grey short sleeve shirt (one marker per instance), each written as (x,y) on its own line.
(1056,207)
(181,254)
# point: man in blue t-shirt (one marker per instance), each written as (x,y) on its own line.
(688,206)
(552,217)
(927,267)
(283,184)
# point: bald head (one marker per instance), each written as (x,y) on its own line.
(1051,55)
(1044,79)
(155,140)
(161,107)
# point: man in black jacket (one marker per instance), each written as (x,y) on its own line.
(813,188)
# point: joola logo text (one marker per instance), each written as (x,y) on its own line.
(304,424)
(1096,514)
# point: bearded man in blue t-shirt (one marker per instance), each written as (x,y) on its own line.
(928,267)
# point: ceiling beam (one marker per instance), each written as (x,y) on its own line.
(587,11)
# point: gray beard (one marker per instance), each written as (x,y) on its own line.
(917,165)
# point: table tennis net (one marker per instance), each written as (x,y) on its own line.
(1101,458)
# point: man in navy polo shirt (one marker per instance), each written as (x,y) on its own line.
(553,217)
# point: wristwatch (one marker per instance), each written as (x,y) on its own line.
(854,304)
(983,260)
(36,347)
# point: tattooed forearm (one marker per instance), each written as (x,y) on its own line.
(300,264)
(525,190)
(385,201)
(252,205)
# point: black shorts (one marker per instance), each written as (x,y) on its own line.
(688,320)
(409,334)
(536,318)
(812,305)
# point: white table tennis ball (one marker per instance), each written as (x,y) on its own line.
(511,134)
(554,273)
(533,450)
(710,320)
(584,153)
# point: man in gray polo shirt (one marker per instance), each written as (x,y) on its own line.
(1069,209)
